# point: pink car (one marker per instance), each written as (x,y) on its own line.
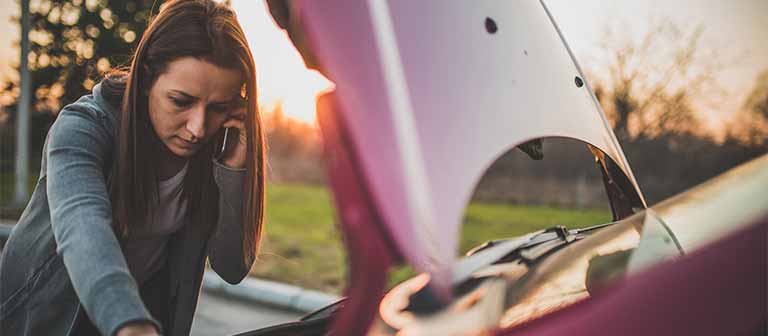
(404,155)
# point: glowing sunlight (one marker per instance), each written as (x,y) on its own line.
(280,71)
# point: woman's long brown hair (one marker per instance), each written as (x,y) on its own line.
(209,31)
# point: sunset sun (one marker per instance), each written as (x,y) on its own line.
(281,74)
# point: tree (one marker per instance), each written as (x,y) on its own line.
(648,87)
(757,101)
(752,125)
(295,149)
(72,42)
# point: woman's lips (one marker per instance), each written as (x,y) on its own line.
(187,144)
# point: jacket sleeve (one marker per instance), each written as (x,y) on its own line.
(226,246)
(81,219)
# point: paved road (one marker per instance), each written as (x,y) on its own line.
(219,316)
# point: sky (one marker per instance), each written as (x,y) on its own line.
(736,29)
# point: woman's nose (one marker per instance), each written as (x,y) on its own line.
(196,123)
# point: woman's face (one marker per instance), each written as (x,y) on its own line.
(190,101)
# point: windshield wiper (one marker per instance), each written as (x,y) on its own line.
(528,248)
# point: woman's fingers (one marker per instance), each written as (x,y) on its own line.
(239,124)
(238,113)
(234,155)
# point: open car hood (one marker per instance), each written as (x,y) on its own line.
(432,92)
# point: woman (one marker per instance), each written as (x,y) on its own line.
(135,192)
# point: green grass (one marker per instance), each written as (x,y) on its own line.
(485,221)
(302,246)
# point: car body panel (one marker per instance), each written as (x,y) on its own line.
(719,206)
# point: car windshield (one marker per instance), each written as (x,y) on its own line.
(580,270)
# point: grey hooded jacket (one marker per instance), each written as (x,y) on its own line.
(63,261)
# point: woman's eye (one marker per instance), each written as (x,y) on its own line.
(180,102)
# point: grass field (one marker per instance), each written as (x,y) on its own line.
(303,247)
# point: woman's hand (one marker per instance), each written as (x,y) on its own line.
(234,155)
(138,329)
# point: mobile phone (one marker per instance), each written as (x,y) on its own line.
(223,138)
(221,143)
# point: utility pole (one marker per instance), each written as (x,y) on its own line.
(22,114)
